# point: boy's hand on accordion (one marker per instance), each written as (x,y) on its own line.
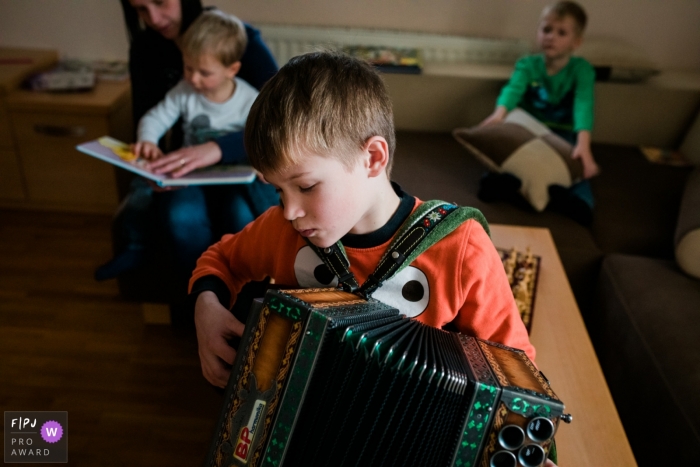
(215,326)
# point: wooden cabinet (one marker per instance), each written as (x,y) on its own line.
(39,165)
(15,65)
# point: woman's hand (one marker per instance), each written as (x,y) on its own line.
(215,325)
(185,160)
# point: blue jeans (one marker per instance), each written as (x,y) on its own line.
(193,218)
(582,190)
(133,220)
(182,223)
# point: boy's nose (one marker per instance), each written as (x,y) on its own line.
(292,210)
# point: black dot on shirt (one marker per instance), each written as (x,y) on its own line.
(412,291)
(323,275)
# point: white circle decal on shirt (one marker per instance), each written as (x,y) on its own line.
(311,271)
(408,291)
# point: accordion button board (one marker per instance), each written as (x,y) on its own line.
(325,377)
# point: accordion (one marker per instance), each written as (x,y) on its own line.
(325,377)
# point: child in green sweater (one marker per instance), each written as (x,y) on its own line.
(557,89)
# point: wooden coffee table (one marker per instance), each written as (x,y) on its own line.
(565,355)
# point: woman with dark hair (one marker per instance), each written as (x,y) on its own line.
(192,218)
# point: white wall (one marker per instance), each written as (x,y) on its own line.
(90,29)
(664,32)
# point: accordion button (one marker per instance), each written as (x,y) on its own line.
(511,437)
(531,455)
(540,429)
(503,459)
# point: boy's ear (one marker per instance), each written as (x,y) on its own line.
(233,69)
(377,150)
(578,40)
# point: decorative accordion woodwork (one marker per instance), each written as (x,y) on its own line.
(324,377)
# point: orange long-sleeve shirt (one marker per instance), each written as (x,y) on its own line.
(459,280)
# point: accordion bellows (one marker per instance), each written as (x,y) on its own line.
(324,377)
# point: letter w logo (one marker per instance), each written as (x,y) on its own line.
(51,431)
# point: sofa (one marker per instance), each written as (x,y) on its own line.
(647,336)
(638,305)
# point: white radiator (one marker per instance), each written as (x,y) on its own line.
(286,42)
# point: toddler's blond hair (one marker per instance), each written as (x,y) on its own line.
(217,33)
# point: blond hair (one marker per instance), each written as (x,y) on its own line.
(572,9)
(217,33)
(326,103)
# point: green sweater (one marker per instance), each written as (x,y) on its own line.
(562,101)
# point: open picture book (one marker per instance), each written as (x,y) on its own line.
(119,153)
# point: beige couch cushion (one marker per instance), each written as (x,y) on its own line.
(688,228)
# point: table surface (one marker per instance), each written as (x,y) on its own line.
(16,64)
(566,356)
(101,100)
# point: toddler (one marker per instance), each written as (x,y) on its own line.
(210,99)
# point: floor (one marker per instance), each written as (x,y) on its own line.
(133,391)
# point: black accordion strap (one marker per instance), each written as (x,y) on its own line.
(428,224)
(337,261)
